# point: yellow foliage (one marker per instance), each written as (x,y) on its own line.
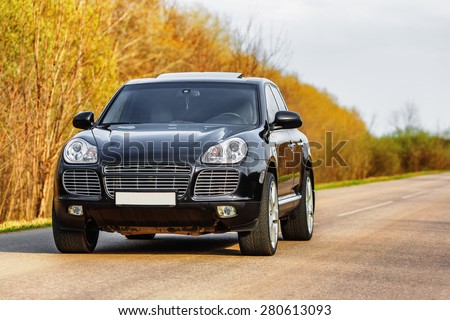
(61,57)
(56,59)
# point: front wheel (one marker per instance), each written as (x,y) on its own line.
(69,241)
(263,240)
(300,225)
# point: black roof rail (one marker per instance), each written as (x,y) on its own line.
(223,75)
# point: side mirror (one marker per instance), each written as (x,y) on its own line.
(83,120)
(286,120)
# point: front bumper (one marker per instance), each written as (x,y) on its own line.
(191,215)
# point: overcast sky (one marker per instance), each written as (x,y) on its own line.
(376,56)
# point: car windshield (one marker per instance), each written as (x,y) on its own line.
(182,102)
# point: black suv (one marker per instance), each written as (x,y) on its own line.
(188,153)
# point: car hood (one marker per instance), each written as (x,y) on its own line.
(161,142)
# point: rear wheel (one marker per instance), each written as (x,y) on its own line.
(68,241)
(141,236)
(263,240)
(300,225)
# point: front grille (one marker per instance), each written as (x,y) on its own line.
(216,182)
(147,178)
(148,168)
(81,182)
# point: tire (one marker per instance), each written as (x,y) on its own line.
(263,240)
(300,225)
(141,236)
(68,241)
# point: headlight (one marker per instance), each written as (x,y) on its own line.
(229,151)
(80,151)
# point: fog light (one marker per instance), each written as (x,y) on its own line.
(226,211)
(75,210)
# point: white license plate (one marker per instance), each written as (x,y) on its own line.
(146,199)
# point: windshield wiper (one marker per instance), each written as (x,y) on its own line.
(181,121)
(115,123)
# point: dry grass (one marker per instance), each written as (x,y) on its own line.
(16,225)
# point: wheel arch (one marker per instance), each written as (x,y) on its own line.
(307,167)
(272,168)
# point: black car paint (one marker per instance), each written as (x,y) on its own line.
(269,150)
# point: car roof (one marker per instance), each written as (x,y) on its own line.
(221,75)
(236,77)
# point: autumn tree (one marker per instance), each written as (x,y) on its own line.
(57,58)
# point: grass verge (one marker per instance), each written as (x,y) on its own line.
(15,225)
(348,183)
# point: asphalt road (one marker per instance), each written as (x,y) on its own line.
(386,240)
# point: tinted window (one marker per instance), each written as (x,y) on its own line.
(272,107)
(215,103)
(279,98)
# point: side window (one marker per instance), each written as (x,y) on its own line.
(272,106)
(279,98)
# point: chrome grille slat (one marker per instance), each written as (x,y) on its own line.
(147,177)
(147,168)
(81,182)
(216,182)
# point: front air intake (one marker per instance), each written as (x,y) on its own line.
(216,182)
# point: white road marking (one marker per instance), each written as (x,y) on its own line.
(413,195)
(364,209)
